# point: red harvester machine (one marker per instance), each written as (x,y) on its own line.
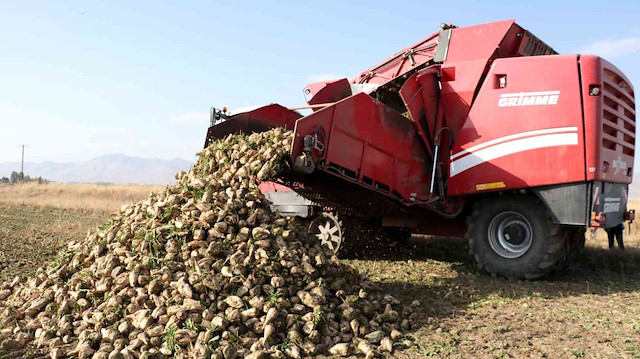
(483,130)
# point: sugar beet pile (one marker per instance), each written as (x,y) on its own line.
(203,269)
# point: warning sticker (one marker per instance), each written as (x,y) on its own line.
(492,185)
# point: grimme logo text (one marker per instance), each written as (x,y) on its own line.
(541,98)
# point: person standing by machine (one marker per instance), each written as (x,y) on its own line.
(616,232)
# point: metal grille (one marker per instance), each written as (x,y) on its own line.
(619,115)
(532,46)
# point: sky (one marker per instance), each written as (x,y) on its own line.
(80,79)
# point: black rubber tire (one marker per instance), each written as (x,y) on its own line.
(575,240)
(548,248)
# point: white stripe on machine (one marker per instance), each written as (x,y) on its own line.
(514,136)
(537,93)
(488,151)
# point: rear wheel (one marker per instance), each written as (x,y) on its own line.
(515,237)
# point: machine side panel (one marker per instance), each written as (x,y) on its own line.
(346,151)
(421,95)
(371,145)
(610,121)
(567,203)
(470,50)
(524,130)
(378,163)
(477,42)
(327,92)
(609,199)
(400,63)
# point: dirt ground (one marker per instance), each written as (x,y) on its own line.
(32,236)
(589,310)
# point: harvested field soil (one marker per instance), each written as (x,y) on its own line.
(589,310)
(592,310)
(31,237)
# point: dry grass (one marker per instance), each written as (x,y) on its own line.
(91,197)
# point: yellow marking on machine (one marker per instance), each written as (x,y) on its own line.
(492,185)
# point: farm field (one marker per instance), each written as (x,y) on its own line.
(589,310)
(83,197)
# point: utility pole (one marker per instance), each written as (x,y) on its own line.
(22,162)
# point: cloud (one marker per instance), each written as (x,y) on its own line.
(324,77)
(610,49)
(193,117)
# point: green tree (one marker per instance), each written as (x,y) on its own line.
(14,177)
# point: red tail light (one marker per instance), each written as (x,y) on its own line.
(630,215)
(598,219)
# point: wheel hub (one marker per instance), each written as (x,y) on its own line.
(515,233)
(510,234)
(328,235)
(326,228)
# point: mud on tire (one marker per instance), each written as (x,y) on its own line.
(515,237)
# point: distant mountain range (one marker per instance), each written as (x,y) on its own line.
(114,168)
